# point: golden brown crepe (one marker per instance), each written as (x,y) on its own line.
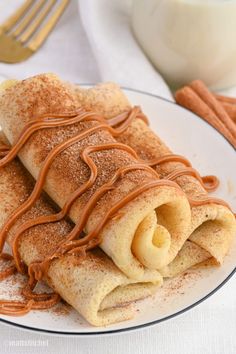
(95,287)
(156,221)
(213,226)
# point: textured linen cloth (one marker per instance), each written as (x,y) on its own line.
(93,42)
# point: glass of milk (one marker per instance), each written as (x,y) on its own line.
(189,39)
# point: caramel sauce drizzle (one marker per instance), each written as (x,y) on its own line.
(73,243)
(209,183)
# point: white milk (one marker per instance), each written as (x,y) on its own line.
(189,39)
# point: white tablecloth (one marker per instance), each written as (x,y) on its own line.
(210,328)
(207,329)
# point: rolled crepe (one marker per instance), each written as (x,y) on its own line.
(100,292)
(158,219)
(213,226)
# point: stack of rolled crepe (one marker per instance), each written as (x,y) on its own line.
(212,226)
(162,213)
(95,288)
(158,217)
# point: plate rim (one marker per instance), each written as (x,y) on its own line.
(148,324)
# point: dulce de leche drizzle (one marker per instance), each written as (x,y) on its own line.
(72,244)
(209,182)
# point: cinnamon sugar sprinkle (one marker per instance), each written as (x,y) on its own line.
(178,285)
(61,309)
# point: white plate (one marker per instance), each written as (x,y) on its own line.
(210,153)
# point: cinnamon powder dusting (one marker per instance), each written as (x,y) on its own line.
(61,309)
(180,284)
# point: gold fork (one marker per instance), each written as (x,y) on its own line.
(24,32)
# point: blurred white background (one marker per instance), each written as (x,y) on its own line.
(82,49)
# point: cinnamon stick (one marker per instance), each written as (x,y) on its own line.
(230,109)
(202,91)
(224,99)
(189,99)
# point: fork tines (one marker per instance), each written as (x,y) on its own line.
(32,22)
